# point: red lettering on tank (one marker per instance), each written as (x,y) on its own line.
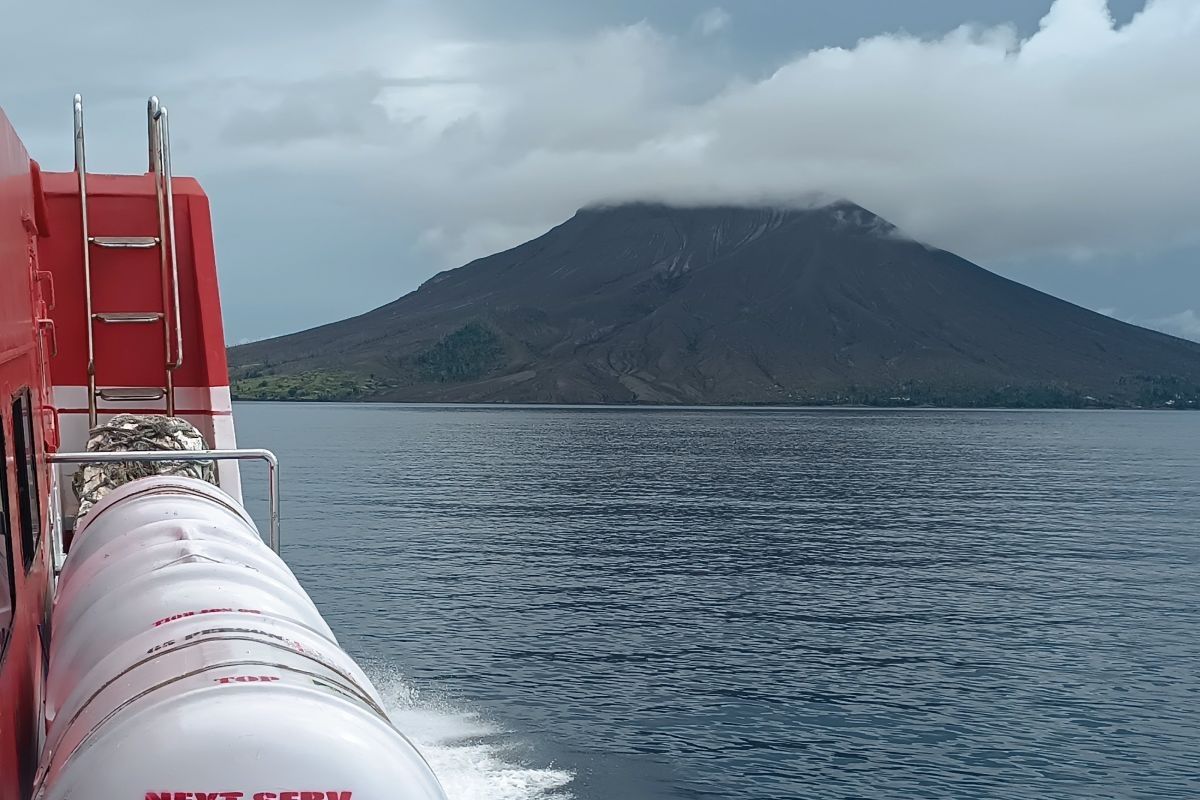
(288,795)
(186,614)
(247,679)
(210,631)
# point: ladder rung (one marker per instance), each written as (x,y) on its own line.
(147,393)
(128,316)
(135,242)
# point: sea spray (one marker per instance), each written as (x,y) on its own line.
(473,758)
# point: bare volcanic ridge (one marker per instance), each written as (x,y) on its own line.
(647,303)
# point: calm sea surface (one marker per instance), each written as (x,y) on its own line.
(617,603)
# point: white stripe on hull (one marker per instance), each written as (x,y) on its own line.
(212,414)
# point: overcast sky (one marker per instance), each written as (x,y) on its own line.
(352,150)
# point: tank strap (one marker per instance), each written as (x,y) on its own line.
(345,686)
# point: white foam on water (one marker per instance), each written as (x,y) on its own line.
(463,748)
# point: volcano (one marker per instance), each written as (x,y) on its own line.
(649,303)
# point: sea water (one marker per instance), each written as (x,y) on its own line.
(667,603)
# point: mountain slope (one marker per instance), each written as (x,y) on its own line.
(650,303)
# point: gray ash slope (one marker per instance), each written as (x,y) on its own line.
(652,303)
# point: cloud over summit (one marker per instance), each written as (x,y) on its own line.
(1076,140)
(1070,142)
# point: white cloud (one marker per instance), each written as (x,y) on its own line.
(713,21)
(1185,324)
(1075,141)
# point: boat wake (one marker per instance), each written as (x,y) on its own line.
(474,759)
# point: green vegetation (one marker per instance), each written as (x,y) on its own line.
(473,351)
(1166,391)
(915,395)
(1154,392)
(470,352)
(316,385)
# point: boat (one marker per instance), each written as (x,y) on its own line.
(153,643)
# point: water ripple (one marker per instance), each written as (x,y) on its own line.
(765,604)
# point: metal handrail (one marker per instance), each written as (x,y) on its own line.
(151,111)
(191,456)
(159,138)
(81,173)
(152,133)
(159,133)
(165,139)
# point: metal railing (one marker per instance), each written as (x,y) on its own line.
(158,126)
(158,132)
(81,174)
(191,456)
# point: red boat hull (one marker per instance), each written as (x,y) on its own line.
(24,373)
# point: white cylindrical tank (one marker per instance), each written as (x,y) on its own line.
(186,661)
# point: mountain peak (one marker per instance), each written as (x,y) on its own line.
(836,213)
(653,302)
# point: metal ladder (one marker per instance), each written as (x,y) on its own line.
(159,135)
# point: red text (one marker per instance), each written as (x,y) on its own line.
(185,614)
(247,679)
(289,795)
